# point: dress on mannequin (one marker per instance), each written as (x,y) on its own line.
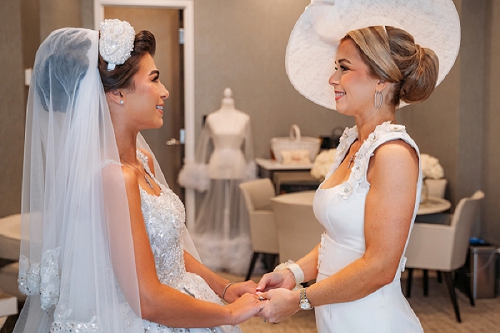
(221,231)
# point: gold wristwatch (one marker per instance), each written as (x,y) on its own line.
(304,303)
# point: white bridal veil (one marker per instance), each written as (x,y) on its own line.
(74,199)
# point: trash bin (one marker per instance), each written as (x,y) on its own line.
(483,271)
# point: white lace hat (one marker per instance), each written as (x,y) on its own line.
(313,44)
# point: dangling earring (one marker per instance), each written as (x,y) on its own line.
(121,102)
(378,99)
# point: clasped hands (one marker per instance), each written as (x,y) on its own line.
(275,298)
(275,289)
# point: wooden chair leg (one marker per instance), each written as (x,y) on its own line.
(453,296)
(408,282)
(426,282)
(252,265)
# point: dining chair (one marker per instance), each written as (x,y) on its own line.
(443,247)
(435,188)
(298,229)
(257,195)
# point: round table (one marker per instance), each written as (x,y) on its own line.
(432,205)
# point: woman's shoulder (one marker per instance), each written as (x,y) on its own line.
(388,133)
(392,149)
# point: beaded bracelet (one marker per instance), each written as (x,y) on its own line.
(225,289)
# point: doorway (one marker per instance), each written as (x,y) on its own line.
(172,23)
(165,23)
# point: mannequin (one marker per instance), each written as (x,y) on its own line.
(221,231)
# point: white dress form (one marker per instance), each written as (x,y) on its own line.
(221,232)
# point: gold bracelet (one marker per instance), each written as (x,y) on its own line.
(225,289)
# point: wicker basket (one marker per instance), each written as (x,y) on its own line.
(295,142)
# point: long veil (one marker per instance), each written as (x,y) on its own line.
(76,276)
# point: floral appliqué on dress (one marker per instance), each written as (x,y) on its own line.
(357,180)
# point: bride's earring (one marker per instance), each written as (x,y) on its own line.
(121,102)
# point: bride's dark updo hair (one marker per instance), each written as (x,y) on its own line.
(392,55)
(121,76)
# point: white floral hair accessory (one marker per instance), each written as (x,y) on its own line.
(116,42)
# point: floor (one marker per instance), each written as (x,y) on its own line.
(435,312)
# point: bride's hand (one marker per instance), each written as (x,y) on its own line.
(237,290)
(244,308)
(282,278)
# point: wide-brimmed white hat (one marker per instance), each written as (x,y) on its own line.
(313,44)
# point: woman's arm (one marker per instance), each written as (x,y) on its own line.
(284,278)
(393,175)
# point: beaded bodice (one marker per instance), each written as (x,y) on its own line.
(164,217)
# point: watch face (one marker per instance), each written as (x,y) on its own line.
(305,305)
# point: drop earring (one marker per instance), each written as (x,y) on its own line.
(379,99)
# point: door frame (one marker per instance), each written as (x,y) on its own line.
(189,111)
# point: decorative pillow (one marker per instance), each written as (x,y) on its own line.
(295,156)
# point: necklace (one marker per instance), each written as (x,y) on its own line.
(142,173)
(350,161)
(353,157)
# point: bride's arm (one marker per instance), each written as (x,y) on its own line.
(165,305)
(218,283)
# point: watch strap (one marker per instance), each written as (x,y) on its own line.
(304,303)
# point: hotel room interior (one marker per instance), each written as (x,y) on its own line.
(241,45)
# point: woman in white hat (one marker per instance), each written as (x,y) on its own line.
(389,54)
(104,245)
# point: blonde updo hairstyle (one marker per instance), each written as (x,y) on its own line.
(392,55)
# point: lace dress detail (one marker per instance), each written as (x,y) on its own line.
(164,216)
(43,279)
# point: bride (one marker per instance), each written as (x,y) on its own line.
(104,246)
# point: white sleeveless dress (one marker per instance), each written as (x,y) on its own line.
(164,216)
(341,211)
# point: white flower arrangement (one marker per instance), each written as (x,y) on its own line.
(431,167)
(322,163)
